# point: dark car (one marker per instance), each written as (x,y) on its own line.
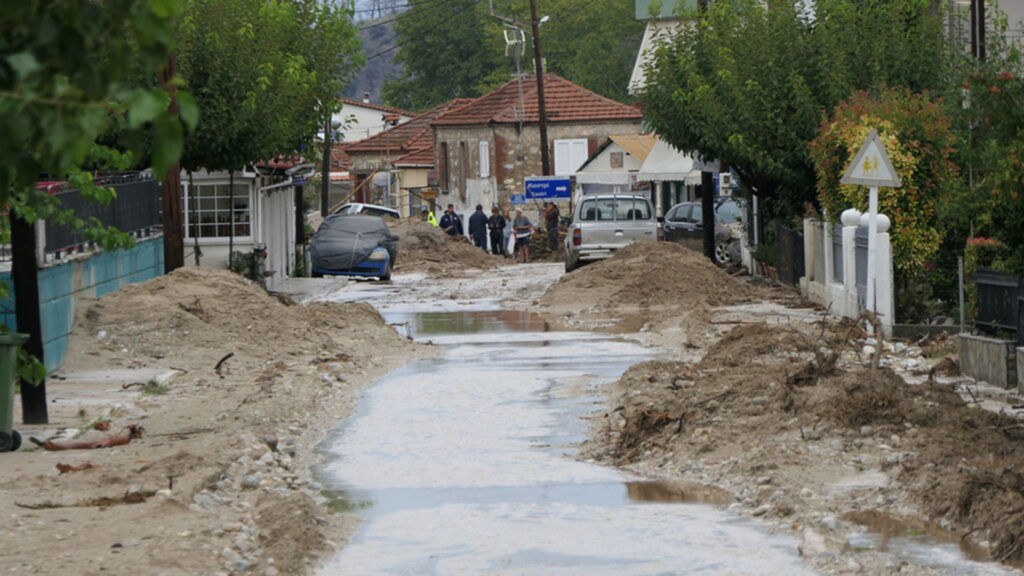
(354,245)
(684,224)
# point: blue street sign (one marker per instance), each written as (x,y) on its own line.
(299,181)
(518,198)
(548,188)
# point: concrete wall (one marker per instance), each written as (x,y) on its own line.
(62,285)
(989,359)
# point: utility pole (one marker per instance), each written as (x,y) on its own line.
(545,161)
(325,169)
(174,229)
(25,278)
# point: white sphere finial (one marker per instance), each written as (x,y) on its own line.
(850,217)
(865,219)
(883,223)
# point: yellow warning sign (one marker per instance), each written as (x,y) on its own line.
(871,166)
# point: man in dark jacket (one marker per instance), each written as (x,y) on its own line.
(496,224)
(451,222)
(478,227)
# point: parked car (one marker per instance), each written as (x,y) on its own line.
(684,224)
(353,245)
(603,223)
(371,209)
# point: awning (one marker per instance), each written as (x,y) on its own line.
(666,164)
(609,178)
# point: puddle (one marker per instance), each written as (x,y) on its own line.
(654,491)
(458,465)
(922,543)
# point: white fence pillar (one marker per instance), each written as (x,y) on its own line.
(884,289)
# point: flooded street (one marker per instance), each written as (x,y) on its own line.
(459,464)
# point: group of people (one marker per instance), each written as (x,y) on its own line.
(498,228)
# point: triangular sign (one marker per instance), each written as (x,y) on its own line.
(871,166)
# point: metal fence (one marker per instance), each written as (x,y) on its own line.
(136,209)
(999,305)
(861,261)
(790,244)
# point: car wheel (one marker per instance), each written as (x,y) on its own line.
(724,253)
(387,272)
(316,274)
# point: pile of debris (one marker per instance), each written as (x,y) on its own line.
(424,248)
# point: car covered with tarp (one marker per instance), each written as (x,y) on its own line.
(353,245)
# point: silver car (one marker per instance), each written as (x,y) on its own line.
(603,223)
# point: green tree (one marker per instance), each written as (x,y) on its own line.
(448,49)
(457,49)
(919,140)
(748,83)
(264,74)
(65,79)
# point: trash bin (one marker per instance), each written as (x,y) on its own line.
(10,440)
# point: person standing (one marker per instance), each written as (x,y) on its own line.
(451,222)
(506,235)
(522,227)
(427,216)
(551,217)
(496,224)
(478,227)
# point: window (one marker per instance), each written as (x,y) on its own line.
(615,160)
(612,209)
(446,184)
(485,159)
(569,156)
(209,209)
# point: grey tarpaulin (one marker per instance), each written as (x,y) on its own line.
(345,240)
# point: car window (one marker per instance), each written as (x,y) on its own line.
(588,210)
(633,209)
(697,213)
(729,211)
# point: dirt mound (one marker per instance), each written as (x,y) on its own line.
(958,464)
(745,343)
(424,248)
(642,282)
(200,313)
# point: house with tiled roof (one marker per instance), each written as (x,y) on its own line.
(391,167)
(361,119)
(487,148)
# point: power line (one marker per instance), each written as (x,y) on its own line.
(419,8)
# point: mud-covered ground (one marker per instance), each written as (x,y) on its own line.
(780,407)
(753,392)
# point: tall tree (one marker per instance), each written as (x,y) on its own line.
(457,48)
(749,83)
(65,79)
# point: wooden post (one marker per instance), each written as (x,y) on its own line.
(174,234)
(325,169)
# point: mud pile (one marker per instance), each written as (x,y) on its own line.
(203,314)
(424,248)
(642,282)
(770,402)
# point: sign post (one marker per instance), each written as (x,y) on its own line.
(871,167)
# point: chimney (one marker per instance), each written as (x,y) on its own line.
(366,97)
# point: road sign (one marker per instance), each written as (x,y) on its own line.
(871,166)
(547,189)
(299,181)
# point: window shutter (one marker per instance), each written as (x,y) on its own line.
(485,159)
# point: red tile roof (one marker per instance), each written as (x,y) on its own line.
(339,158)
(417,158)
(408,136)
(381,107)
(564,102)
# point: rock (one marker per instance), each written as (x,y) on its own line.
(913,351)
(268,459)
(250,483)
(899,347)
(868,350)
(763,480)
(813,544)
(871,341)
(232,527)
(341,377)
(762,510)
(831,522)
(866,431)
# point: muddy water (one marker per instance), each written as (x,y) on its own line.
(460,464)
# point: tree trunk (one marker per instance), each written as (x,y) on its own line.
(707,208)
(231,219)
(26,303)
(174,237)
(195,216)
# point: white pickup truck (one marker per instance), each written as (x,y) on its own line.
(603,223)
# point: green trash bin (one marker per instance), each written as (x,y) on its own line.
(10,342)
